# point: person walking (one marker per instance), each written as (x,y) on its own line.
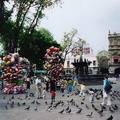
(52,84)
(106,94)
(53,94)
(44,93)
(28,83)
(38,87)
(82,89)
(75,79)
(91,93)
(47,81)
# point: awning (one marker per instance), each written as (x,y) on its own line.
(41,71)
(115,58)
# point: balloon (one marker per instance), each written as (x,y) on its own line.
(8,62)
(49,53)
(49,65)
(7,58)
(52,48)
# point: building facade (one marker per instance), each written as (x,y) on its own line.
(114,51)
(75,56)
(103,62)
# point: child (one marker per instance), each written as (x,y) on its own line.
(44,93)
(62,88)
(53,94)
(82,89)
(91,97)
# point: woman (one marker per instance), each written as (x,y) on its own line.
(106,94)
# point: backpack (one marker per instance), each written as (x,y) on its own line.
(108,86)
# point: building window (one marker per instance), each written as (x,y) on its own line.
(115,59)
(68,64)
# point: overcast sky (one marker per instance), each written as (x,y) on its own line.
(92,18)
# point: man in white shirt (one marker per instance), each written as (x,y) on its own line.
(38,86)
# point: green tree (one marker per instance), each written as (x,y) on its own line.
(35,48)
(67,42)
(27,14)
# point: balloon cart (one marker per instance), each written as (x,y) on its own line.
(54,61)
(13,67)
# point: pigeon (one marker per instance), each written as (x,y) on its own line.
(24,103)
(82,102)
(12,97)
(11,105)
(79,111)
(86,106)
(27,108)
(69,111)
(4,97)
(49,108)
(26,96)
(62,103)
(7,102)
(46,102)
(111,110)
(101,112)
(71,100)
(116,106)
(77,105)
(67,108)
(37,103)
(61,111)
(18,104)
(89,115)
(33,102)
(110,118)
(67,95)
(103,107)
(35,108)
(55,106)
(83,99)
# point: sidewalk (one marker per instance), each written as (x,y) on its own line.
(19,112)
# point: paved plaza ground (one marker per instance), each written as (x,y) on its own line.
(19,112)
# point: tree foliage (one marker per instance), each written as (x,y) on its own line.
(67,42)
(37,45)
(24,14)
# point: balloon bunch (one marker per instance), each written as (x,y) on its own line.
(13,67)
(54,61)
(10,89)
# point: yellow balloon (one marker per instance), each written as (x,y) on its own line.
(8,62)
(49,65)
(4,58)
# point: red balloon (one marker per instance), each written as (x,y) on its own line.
(52,48)
(57,49)
(7,58)
(49,53)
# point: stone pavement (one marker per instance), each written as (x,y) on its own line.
(19,112)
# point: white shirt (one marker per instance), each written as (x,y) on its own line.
(44,92)
(38,81)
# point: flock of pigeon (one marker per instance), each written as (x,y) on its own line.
(66,105)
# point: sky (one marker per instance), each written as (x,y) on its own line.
(92,18)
